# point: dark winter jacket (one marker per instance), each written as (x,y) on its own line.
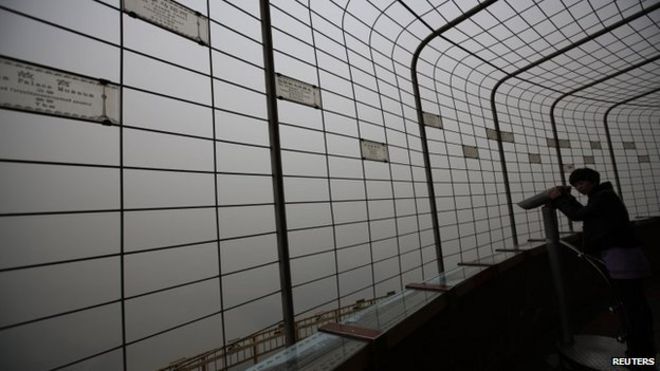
(605,219)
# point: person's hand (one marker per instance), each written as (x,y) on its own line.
(558,191)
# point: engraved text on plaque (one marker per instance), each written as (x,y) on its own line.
(27,87)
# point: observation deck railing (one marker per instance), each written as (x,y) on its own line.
(256,346)
(391,319)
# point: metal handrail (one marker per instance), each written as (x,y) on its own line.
(615,300)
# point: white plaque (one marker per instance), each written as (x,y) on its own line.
(32,88)
(569,168)
(589,160)
(644,158)
(374,151)
(432,120)
(596,145)
(470,152)
(298,91)
(507,136)
(534,158)
(629,145)
(172,16)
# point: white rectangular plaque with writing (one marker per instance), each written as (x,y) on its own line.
(298,91)
(27,87)
(432,120)
(374,151)
(507,136)
(470,151)
(172,16)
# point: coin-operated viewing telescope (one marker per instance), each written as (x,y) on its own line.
(552,242)
(540,199)
(585,350)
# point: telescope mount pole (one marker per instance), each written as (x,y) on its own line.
(553,246)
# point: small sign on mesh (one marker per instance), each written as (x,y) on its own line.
(563,143)
(298,91)
(470,151)
(644,158)
(374,151)
(629,145)
(534,158)
(432,120)
(28,87)
(171,16)
(595,144)
(507,136)
(589,160)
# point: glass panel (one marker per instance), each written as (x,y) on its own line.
(68,338)
(39,292)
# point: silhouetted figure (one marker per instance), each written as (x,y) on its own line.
(609,235)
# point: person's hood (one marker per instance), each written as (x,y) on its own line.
(605,186)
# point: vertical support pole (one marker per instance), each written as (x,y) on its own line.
(560,160)
(420,119)
(553,246)
(278,182)
(609,137)
(429,174)
(611,150)
(505,172)
(555,136)
(122,203)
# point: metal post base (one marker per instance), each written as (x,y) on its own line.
(593,352)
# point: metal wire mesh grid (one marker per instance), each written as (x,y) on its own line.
(156,238)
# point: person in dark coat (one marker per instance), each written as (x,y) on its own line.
(609,235)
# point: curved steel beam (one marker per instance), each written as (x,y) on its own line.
(563,50)
(607,132)
(420,121)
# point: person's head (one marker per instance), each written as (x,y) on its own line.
(584,180)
